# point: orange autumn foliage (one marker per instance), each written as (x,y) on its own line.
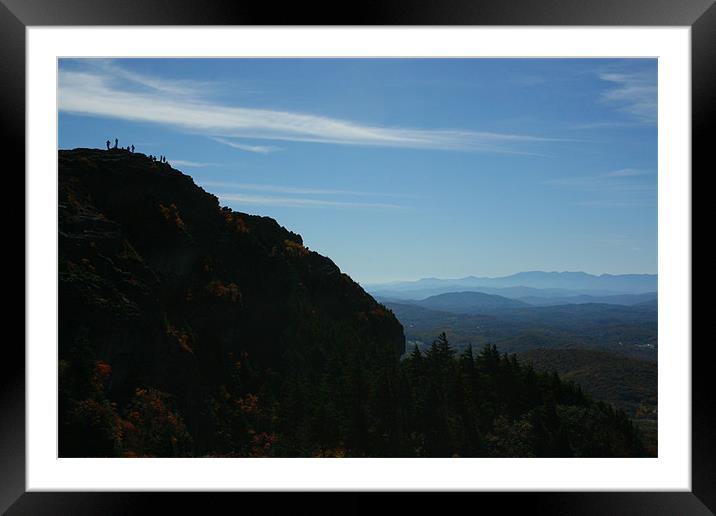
(248,404)
(236,223)
(228,292)
(295,249)
(171,214)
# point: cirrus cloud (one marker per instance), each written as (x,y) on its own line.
(102,88)
(632,93)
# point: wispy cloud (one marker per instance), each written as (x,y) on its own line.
(175,87)
(298,190)
(598,183)
(300,202)
(192,164)
(632,93)
(627,172)
(622,188)
(606,125)
(615,180)
(260,149)
(105,89)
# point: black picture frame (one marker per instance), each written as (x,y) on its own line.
(17,15)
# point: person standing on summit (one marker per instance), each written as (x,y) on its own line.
(107,144)
(116,141)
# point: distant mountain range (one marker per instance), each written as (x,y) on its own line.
(617,299)
(482,303)
(535,287)
(469,302)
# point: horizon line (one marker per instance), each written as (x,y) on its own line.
(469,276)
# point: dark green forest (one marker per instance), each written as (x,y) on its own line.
(189,329)
(433,404)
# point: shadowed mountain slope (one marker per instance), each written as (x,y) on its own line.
(162,288)
(188,329)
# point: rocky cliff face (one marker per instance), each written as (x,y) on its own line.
(175,311)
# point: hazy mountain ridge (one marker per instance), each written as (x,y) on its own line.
(617,299)
(469,302)
(475,302)
(524,284)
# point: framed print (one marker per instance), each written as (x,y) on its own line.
(424,249)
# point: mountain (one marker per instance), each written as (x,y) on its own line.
(652,304)
(619,299)
(627,283)
(548,293)
(169,300)
(627,383)
(545,284)
(469,303)
(191,330)
(474,302)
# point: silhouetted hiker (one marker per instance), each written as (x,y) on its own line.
(116,141)
(132,148)
(107,144)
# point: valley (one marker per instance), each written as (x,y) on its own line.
(609,349)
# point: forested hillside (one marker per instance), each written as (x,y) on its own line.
(188,329)
(626,383)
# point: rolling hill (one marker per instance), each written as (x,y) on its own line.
(626,383)
(469,303)
(536,284)
(618,299)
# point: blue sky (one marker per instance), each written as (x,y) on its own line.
(399,169)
